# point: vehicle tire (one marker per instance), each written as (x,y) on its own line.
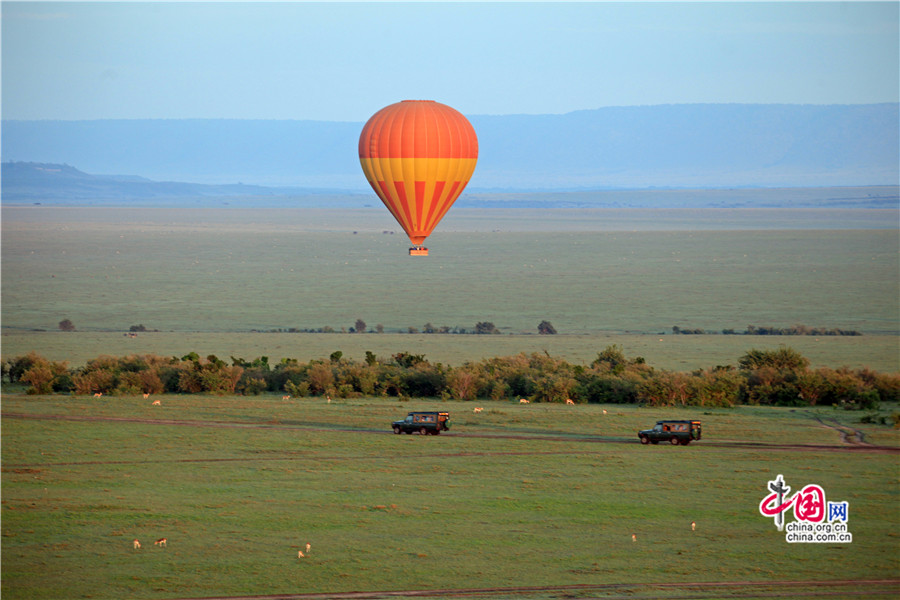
(675,441)
(645,440)
(397,430)
(423,431)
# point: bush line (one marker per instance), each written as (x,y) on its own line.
(763,377)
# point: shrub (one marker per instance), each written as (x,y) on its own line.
(546,328)
(298,390)
(41,374)
(320,377)
(256,385)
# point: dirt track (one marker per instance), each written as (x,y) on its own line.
(848,446)
(855,588)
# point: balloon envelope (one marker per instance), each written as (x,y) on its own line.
(418,155)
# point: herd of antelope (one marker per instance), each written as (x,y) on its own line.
(146,395)
(161,542)
(156,402)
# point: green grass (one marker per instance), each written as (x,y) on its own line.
(238,270)
(207,278)
(386,512)
(670,352)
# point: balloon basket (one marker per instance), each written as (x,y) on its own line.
(418,251)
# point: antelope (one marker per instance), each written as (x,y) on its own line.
(693,525)
(137,544)
(570,401)
(285,397)
(307,547)
(98,394)
(156,403)
(633,538)
(300,554)
(146,395)
(160,542)
(478,410)
(523,401)
(604,411)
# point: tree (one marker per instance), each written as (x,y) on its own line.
(66,325)
(613,357)
(360,326)
(784,358)
(546,328)
(486,327)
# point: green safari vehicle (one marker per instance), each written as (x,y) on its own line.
(674,432)
(424,422)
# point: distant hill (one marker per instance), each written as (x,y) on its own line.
(681,146)
(49,183)
(54,184)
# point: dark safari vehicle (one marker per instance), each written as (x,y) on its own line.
(674,432)
(423,422)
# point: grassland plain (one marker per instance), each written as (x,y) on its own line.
(670,352)
(536,495)
(594,273)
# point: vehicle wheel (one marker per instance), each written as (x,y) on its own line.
(423,431)
(644,440)
(675,441)
(397,430)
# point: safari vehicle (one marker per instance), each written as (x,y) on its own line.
(423,422)
(674,432)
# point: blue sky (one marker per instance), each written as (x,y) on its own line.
(342,61)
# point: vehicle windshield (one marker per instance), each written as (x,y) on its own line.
(408,418)
(657,427)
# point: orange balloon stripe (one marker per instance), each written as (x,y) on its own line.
(435,217)
(435,201)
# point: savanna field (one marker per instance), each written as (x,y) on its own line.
(540,496)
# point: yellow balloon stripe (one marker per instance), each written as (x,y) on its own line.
(418,191)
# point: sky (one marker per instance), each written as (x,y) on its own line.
(342,61)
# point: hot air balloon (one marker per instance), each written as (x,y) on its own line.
(418,155)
